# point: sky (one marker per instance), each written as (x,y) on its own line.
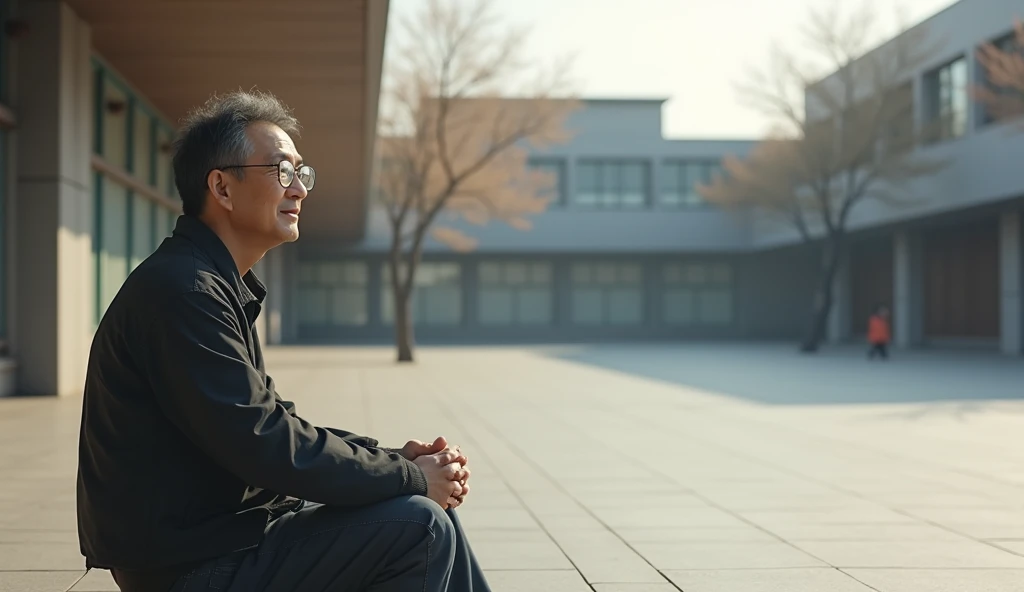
(691,52)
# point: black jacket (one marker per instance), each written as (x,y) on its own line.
(185,446)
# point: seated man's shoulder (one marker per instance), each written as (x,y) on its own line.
(173,273)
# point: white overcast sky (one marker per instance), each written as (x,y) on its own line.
(690,51)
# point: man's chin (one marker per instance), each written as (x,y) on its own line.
(289,234)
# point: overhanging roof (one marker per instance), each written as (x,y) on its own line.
(321,57)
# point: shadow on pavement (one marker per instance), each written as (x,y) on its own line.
(779,375)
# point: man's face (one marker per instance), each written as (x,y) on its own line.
(262,208)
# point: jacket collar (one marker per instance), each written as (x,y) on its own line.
(249,288)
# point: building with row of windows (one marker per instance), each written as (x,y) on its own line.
(628,250)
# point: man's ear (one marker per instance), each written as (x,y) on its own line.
(217,183)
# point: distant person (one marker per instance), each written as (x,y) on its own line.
(879,334)
(193,474)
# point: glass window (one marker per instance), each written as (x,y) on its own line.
(164,179)
(611,184)
(160,226)
(946,100)
(336,291)
(3,225)
(556,170)
(515,293)
(113,241)
(313,305)
(680,179)
(697,294)
(142,229)
(436,298)
(142,145)
(607,293)
(587,184)
(1007,44)
(114,115)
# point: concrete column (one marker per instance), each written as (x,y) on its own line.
(569,182)
(1010,279)
(285,274)
(908,305)
(271,272)
(839,316)
(54,273)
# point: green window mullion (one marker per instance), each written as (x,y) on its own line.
(129,219)
(129,141)
(98,116)
(97,243)
(154,148)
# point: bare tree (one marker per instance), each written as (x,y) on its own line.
(839,141)
(454,138)
(1003,64)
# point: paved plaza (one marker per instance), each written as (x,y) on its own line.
(644,468)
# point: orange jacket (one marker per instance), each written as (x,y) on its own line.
(878,330)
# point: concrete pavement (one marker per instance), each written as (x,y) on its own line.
(644,468)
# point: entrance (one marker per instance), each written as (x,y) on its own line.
(961,282)
(871,270)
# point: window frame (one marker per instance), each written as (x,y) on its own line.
(609,172)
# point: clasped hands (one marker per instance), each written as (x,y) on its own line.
(444,467)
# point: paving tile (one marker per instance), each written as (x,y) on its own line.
(775,519)
(744,534)
(8,535)
(603,557)
(904,531)
(773,580)
(906,554)
(97,580)
(940,580)
(635,588)
(41,557)
(513,554)
(38,581)
(535,581)
(1012,546)
(683,517)
(726,555)
(492,518)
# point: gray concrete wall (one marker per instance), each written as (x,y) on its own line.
(775,292)
(52,324)
(611,129)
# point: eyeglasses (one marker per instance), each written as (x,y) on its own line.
(286,173)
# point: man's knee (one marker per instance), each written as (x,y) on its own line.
(421,510)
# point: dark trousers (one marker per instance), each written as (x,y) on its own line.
(400,545)
(879,349)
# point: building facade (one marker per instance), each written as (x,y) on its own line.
(626,250)
(629,251)
(90,96)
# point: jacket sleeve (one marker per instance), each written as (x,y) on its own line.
(364,441)
(206,384)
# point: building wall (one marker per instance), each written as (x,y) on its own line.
(612,132)
(90,195)
(524,297)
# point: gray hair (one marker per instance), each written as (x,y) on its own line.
(214,135)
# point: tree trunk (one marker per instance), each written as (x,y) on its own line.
(823,297)
(404,337)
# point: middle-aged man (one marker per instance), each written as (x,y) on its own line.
(193,473)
